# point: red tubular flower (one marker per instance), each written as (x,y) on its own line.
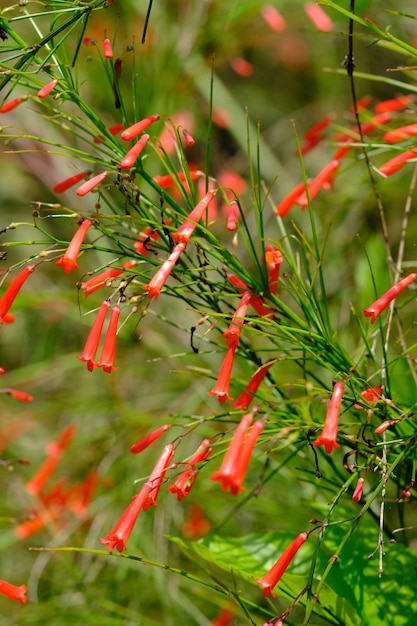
(100,280)
(69,260)
(224,618)
(12,104)
(88,186)
(329,433)
(221,388)
(158,475)
(187,478)
(248,394)
(169,180)
(397,163)
(138,128)
(21,396)
(145,239)
(383,427)
(370,395)
(70,182)
(131,157)
(158,281)
(241,66)
(46,89)
(54,450)
(273,259)
(107,49)
(394,104)
(319,18)
(11,292)
(13,592)
(357,494)
(183,234)
(273,18)
(196,525)
(229,474)
(93,339)
(289,201)
(272,578)
(314,135)
(318,182)
(143,443)
(189,139)
(232,216)
(121,531)
(381,304)
(399,134)
(232,334)
(256,301)
(113,130)
(109,347)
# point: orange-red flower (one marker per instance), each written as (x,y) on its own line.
(138,128)
(70,182)
(93,339)
(12,104)
(221,388)
(187,478)
(69,260)
(248,394)
(397,163)
(232,216)
(381,304)
(13,592)
(11,292)
(146,441)
(357,494)
(100,280)
(183,234)
(21,396)
(159,279)
(329,434)
(109,346)
(370,395)
(399,134)
(273,18)
(319,18)
(394,104)
(273,259)
(272,578)
(131,157)
(158,475)
(88,186)
(107,49)
(232,334)
(54,450)
(46,89)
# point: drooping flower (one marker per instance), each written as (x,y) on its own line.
(54,451)
(93,339)
(46,89)
(121,531)
(189,139)
(196,525)
(248,394)
(329,434)
(273,259)
(146,441)
(183,234)
(159,279)
(12,104)
(107,49)
(221,388)
(382,303)
(272,578)
(101,280)
(187,478)
(69,260)
(256,301)
(232,216)
(70,182)
(138,128)
(88,186)
(11,292)
(131,157)
(13,592)
(109,346)
(157,475)
(383,427)
(357,494)
(232,334)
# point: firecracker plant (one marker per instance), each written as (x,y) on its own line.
(287,283)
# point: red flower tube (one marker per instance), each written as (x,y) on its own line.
(46,89)
(272,578)
(100,280)
(93,339)
(289,201)
(232,216)
(138,128)
(113,130)
(12,104)
(146,441)
(145,239)
(273,259)
(13,592)
(107,49)
(397,163)
(54,450)
(329,433)
(273,18)
(357,494)
(186,229)
(189,139)
(381,304)
(69,260)
(88,186)
(248,394)
(157,476)
(109,347)
(221,388)
(121,531)
(187,478)
(232,334)
(318,182)
(169,180)
(11,292)
(158,281)
(394,104)
(244,458)
(229,474)
(256,301)
(130,159)
(319,18)
(21,396)
(399,134)
(70,182)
